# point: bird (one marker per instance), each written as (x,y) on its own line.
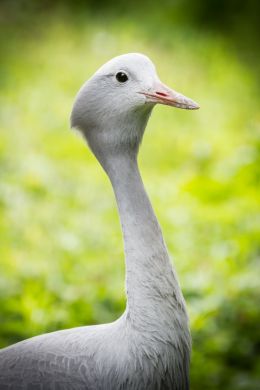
(149,346)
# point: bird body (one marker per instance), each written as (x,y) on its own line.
(148,347)
(111,356)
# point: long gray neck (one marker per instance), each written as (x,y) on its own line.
(150,280)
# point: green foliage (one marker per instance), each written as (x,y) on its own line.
(61,250)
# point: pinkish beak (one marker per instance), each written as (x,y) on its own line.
(164,95)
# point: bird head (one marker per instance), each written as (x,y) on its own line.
(113,106)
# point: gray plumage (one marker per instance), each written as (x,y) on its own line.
(148,347)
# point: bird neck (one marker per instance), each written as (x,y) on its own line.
(150,278)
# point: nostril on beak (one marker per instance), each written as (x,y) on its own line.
(161,94)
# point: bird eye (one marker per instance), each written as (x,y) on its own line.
(121,77)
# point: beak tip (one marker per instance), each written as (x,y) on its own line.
(193,105)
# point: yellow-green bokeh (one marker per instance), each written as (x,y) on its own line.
(61,251)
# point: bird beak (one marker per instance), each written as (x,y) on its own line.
(164,95)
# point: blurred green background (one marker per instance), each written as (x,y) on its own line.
(61,251)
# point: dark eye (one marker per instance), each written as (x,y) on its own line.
(121,77)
